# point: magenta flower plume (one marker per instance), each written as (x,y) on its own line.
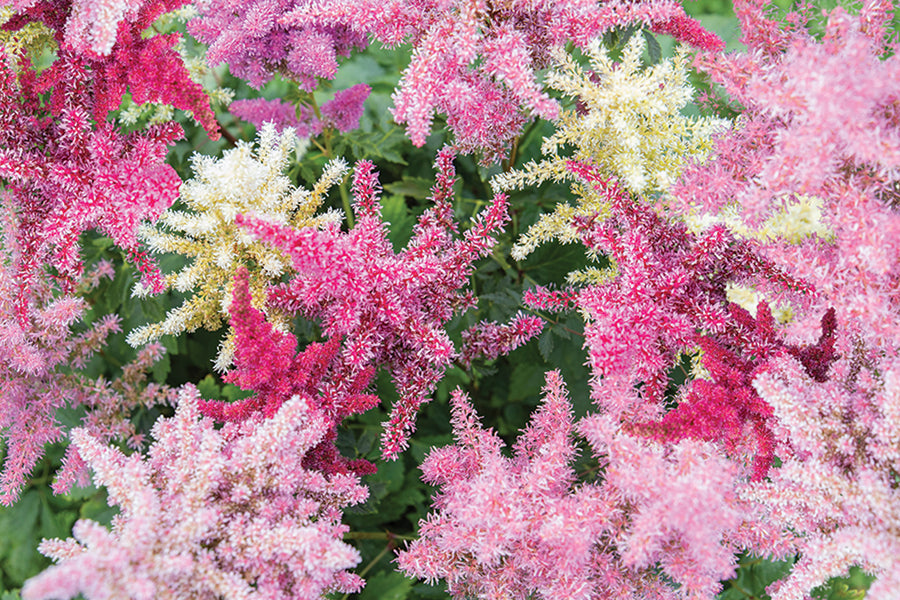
(388,308)
(476,62)
(255,43)
(64,176)
(211,513)
(666,285)
(106,37)
(489,340)
(267,363)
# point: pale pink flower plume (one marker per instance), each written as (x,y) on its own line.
(210,513)
(521,527)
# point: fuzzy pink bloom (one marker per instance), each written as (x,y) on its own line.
(64,175)
(341,112)
(489,340)
(211,513)
(519,526)
(40,360)
(836,488)
(668,285)
(476,62)
(822,120)
(251,38)
(388,308)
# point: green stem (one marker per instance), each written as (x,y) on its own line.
(345,200)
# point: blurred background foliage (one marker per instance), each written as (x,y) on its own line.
(505,391)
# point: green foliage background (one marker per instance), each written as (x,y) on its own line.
(505,391)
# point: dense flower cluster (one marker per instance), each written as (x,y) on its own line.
(388,307)
(210,513)
(475,61)
(738,310)
(241,182)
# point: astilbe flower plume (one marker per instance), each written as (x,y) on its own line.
(627,120)
(40,372)
(267,362)
(523,527)
(211,513)
(243,181)
(820,122)
(255,42)
(725,407)
(836,488)
(63,175)
(32,386)
(664,285)
(107,39)
(388,308)
(341,113)
(475,61)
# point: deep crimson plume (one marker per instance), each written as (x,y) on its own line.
(726,407)
(266,362)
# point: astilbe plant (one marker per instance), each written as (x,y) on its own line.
(67,169)
(64,176)
(523,527)
(836,487)
(211,513)
(256,42)
(33,384)
(664,285)
(797,139)
(475,61)
(341,113)
(243,181)
(40,372)
(266,362)
(389,308)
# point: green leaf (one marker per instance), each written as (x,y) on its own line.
(653,47)
(545,344)
(19,558)
(387,586)
(395,212)
(376,145)
(209,389)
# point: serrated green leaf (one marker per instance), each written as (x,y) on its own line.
(414,187)
(545,343)
(654,50)
(387,586)
(209,389)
